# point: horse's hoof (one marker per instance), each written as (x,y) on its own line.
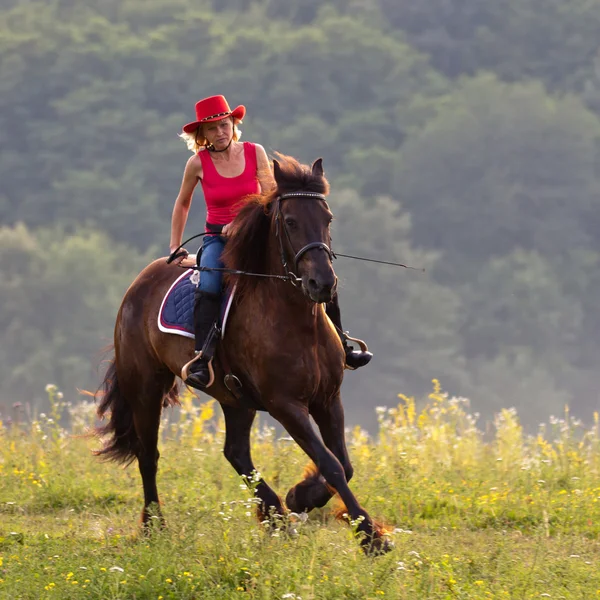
(377,546)
(148,530)
(290,501)
(306,496)
(152,520)
(290,531)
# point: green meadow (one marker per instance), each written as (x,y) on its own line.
(473,511)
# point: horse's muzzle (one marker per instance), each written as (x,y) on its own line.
(320,291)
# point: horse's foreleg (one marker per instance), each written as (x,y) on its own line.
(294,417)
(238,423)
(313,491)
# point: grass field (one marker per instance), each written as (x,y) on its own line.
(499,515)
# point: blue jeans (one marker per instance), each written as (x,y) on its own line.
(212,247)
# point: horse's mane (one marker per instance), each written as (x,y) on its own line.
(246,248)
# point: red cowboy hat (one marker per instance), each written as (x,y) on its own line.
(214,108)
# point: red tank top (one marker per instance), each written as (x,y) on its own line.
(223,194)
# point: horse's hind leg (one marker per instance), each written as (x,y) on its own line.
(238,423)
(313,491)
(147,395)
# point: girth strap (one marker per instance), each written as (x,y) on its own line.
(234,385)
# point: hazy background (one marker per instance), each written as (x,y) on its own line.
(459,135)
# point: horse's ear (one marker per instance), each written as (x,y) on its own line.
(317,168)
(276,171)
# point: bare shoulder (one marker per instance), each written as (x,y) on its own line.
(193,167)
(261,156)
(260,149)
(263,169)
(195,159)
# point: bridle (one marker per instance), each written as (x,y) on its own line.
(280,224)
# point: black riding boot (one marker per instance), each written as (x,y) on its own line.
(206,314)
(354,358)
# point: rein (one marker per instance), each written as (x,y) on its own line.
(279,224)
(177,254)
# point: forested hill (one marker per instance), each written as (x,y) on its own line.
(459,135)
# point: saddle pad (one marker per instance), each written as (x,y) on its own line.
(176,314)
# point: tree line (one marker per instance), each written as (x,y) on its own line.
(459,136)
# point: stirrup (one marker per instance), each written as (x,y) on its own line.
(361,343)
(354,355)
(185,370)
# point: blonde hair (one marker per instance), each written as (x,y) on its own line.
(196,140)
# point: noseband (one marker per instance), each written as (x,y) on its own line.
(280,223)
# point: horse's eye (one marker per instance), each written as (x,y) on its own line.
(290,223)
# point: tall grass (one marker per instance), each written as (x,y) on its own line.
(495,514)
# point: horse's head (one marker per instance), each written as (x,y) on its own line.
(286,227)
(302,219)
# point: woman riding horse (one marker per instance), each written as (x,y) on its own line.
(228,171)
(280,344)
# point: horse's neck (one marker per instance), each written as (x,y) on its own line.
(272,297)
(285,298)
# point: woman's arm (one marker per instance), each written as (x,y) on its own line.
(191,174)
(263,169)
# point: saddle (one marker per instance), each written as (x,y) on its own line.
(176,313)
(176,316)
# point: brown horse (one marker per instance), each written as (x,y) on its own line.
(279,343)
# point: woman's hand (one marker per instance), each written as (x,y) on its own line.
(225,229)
(178,258)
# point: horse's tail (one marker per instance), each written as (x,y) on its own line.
(122,445)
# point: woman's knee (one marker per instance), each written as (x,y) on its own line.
(211,281)
(211,253)
(211,285)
